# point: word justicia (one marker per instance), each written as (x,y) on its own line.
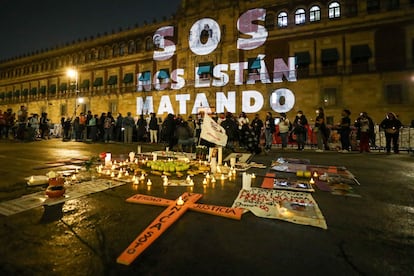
(204,38)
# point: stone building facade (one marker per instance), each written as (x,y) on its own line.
(251,56)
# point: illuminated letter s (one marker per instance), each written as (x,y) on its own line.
(164,48)
(257,32)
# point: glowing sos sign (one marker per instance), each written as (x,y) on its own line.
(204,38)
(205,35)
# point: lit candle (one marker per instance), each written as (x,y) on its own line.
(188,178)
(230,174)
(134,178)
(208,176)
(136,182)
(180,201)
(108,157)
(142,177)
(218,170)
(74,177)
(311,181)
(213,180)
(31,180)
(253,176)
(315,174)
(191,182)
(220,155)
(112,174)
(131,156)
(119,174)
(126,173)
(149,183)
(204,181)
(222,177)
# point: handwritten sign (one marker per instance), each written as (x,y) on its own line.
(296,207)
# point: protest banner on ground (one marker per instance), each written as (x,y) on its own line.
(296,207)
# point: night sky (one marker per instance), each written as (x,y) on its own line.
(30,25)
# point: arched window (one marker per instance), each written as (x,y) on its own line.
(270,21)
(115,51)
(314,14)
(300,17)
(122,49)
(334,10)
(131,47)
(138,45)
(93,54)
(149,44)
(107,52)
(101,53)
(282,20)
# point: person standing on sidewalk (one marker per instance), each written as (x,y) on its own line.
(153,128)
(128,124)
(300,130)
(269,130)
(345,130)
(284,127)
(320,130)
(362,123)
(391,126)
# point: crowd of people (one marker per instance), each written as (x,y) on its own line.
(176,131)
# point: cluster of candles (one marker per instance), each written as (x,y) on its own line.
(315,175)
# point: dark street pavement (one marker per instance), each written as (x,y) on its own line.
(368,235)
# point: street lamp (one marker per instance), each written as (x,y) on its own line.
(74,75)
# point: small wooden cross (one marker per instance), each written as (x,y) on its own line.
(175,209)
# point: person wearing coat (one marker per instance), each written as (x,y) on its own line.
(391,126)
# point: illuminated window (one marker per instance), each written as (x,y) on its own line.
(314,14)
(300,17)
(282,20)
(334,10)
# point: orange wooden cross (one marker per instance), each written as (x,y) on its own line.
(175,209)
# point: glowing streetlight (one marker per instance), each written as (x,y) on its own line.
(73,75)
